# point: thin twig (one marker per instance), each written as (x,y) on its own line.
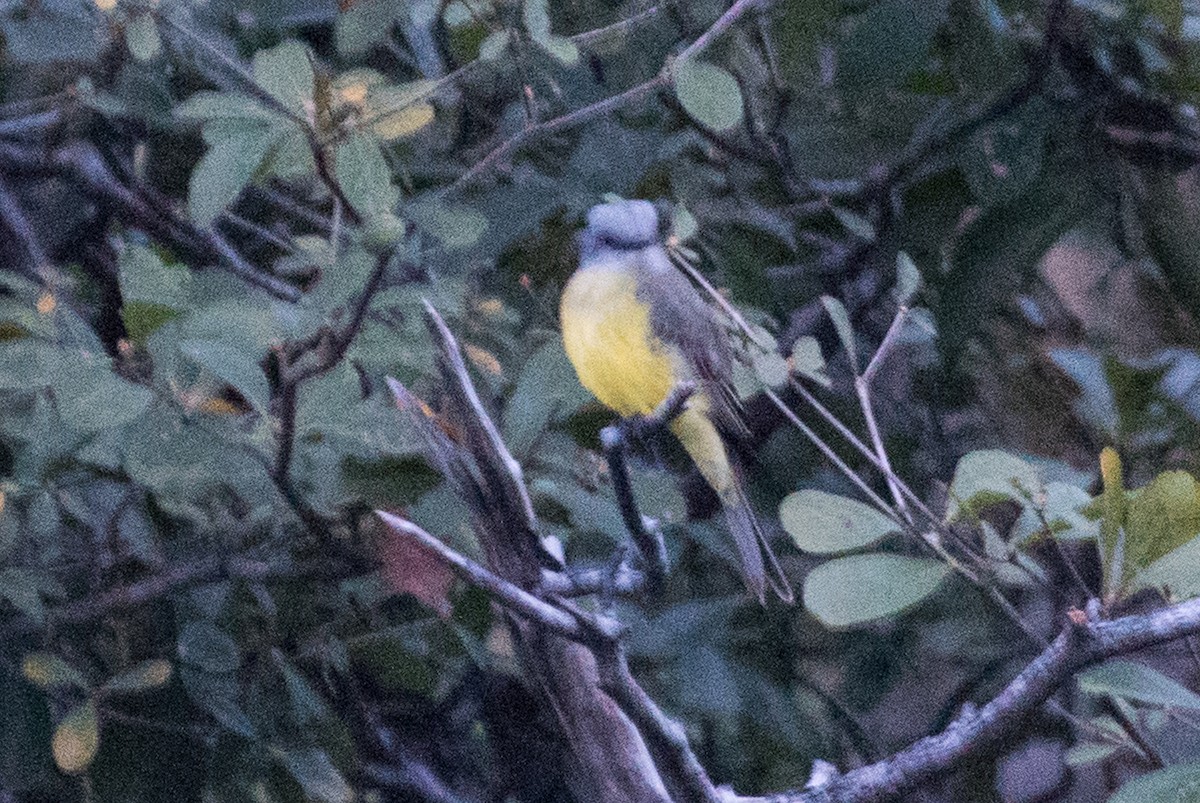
(509,595)
(832,456)
(862,388)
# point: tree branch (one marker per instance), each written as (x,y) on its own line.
(510,596)
(1075,648)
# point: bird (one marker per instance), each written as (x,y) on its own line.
(635,328)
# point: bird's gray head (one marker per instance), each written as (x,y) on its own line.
(619,226)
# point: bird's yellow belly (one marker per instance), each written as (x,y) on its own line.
(607,336)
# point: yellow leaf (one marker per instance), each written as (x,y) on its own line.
(404,122)
(482,359)
(46,303)
(106,5)
(218,406)
(492,307)
(46,670)
(76,739)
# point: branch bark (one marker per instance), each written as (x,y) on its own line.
(1075,648)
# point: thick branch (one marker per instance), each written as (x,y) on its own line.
(1074,649)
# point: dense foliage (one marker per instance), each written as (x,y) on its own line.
(219,224)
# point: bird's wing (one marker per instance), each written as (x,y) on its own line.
(681,318)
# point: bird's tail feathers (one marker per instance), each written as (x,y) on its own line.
(760,567)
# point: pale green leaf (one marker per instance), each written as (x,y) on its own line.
(316,773)
(710,94)
(808,361)
(1139,683)
(908,278)
(1179,783)
(141,37)
(537,19)
(494,46)
(988,476)
(562,49)
(827,524)
(144,676)
(855,223)
(231,161)
(364,175)
(236,366)
(207,647)
(860,588)
(841,322)
(286,73)
(47,670)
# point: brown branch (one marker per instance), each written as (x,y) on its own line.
(331,347)
(665,737)
(81,164)
(187,574)
(1074,649)
(510,596)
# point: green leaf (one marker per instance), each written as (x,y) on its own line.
(1177,573)
(1088,753)
(145,676)
(537,19)
(456,226)
(307,705)
(22,589)
(828,524)
(232,159)
(908,278)
(562,49)
(547,390)
(218,695)
(141,37)
(841,322)
(860,588)
(1097,403)
(207,647)
(1175,784)
(205,106)
(76,739)
(286,73)
(1001,160)
(316,773)
(888,41)
(239,368)
(23,363)
(808,361)
(364,175)
(494,46)
(1160,517)
(48,671)
(988,476)
(708,93)
(145,277)
(363,24)
(1137,682)
(854,223)
(770,367)
(90,397)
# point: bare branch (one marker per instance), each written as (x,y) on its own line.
(510,596)
(1075,648)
